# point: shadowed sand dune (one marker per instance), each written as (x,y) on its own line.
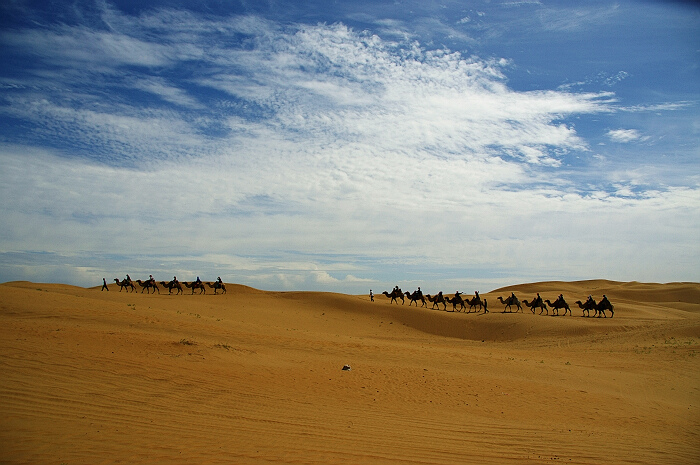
(256,377)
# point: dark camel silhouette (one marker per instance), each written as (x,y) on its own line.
(415,297)
(395,295)
(437,299)
(587,307)
(147,285)
(218,285)
(510,302)
(124,284)
(456,300)
(603,305)
(475,302)
(172,285)
(194,285)
(559,303)
(536,304)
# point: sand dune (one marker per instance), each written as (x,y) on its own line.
(256,377)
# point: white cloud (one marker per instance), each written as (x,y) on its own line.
(624,135)
(168,92)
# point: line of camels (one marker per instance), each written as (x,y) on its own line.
(511,302)
(174,285)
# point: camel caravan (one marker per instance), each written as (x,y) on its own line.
(464,304)
(511,303)
(150,285)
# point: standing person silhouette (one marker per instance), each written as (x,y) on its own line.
(104,284)
(371,296)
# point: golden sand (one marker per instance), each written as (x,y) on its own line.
(88,376)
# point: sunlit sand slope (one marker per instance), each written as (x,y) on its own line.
(88,376)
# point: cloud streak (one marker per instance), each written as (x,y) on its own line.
(624,135)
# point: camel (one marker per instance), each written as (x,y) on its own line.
(475,302)
(456,300)
(536,304)
(395,295)
(559,303)
(172,285)
(603,305)
(218,285)
(415,297)
(438,299)
(124,284)
(147,285)
(195,285)
(509,302)
(587,307)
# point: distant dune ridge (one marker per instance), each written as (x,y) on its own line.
(251,376)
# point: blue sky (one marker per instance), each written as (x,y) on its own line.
(344,146)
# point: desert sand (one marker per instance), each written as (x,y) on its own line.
(248,377)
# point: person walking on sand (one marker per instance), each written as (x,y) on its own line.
(371,296)
(104,284)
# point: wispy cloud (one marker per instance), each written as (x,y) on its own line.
(574,19)
(624,135)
